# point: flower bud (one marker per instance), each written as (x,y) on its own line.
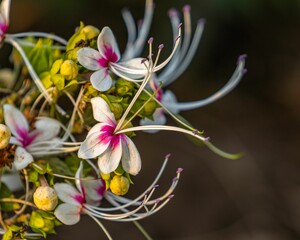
(90,31)
(119,185)
(4,136)
(45,198)
(69,70)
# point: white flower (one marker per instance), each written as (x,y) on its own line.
(110,147)
(30,143)
(106,58)
(87,192)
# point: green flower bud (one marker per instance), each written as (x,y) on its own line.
(149,108)
(69,70)
(36,220)
(4,136)
(105,176)
(90,31)
(117,110)
(45,198)
(124,87)
(119,185)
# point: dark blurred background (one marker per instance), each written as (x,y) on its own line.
(256,197)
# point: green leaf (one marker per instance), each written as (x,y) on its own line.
(8,235)
(60,167)
(6,193)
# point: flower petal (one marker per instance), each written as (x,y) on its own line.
(101,80)
(107,40)
(102,112)
(89,58)
(68,194)
(97,128)
(94,190)
(4,10)
(131,160)
(47,129)
(133,68)
(93,146)
(67,213)
(15,121)
(22,158)
(169,100)
(110,159)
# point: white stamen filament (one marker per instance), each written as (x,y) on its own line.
(137,46)
(230,85)
(33,74)
(39,35)
(162,128)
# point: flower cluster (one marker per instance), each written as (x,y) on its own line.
(69,112)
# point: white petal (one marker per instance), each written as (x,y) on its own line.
(15,120)
(22,158)
(13,181)
(68,194)
(97,128)
(110,159)
(89,58)
(67,213)
(101,80)
(131,160)
(94,190)
(133,68)
(15,141)
(159,118)
(169,100)
(4,10)
(47,129)
(93,146)
(102,112)
(106,39)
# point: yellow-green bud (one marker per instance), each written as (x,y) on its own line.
(4,136)
(90,31)
(69,70)
(149,108)
(45,198)
(119,185)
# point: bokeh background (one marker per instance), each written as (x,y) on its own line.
(256,197)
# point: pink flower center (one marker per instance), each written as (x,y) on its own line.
(25,137)
(80,199)
(107,136)
(109,56)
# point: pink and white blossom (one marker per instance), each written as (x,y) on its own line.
(109,147)
(31,143)
(86,192)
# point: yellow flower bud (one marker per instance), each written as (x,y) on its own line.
(45,198)
(4,136)
(119,185)
(69,70)
(90,31)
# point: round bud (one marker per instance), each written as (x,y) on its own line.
(119,185)
(4,136)
(90,31)
(69,70)
(45,198)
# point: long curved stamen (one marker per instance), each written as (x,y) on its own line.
(33,74)
(130,25)
(137,47)
(132,202)
(39,34)
(99,224)
(169,77)
(230,85)
(163,128)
